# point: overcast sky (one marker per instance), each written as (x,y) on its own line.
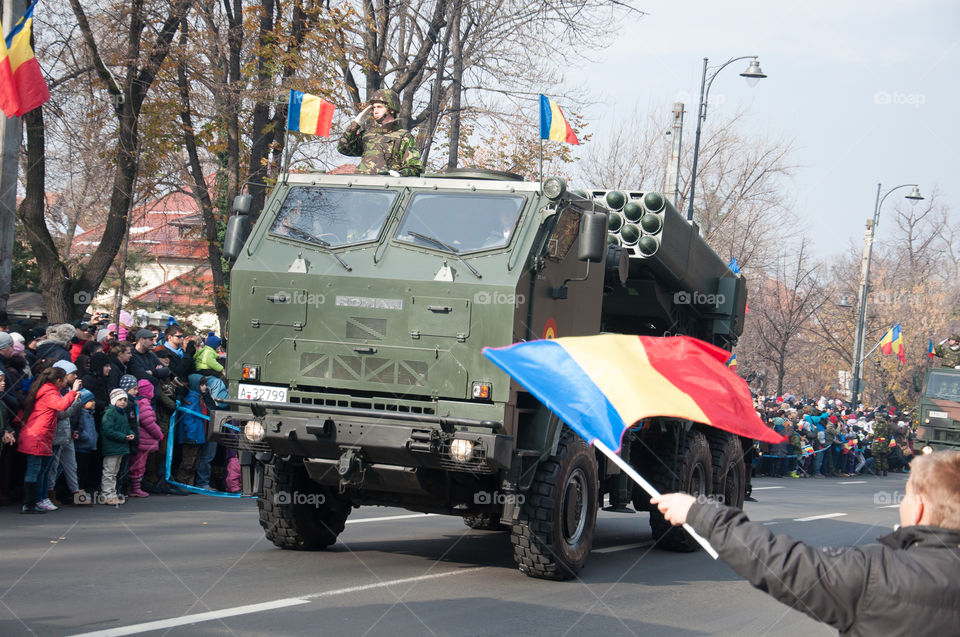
(868,91)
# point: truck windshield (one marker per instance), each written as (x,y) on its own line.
(333,217)
(944,385)
(467,222)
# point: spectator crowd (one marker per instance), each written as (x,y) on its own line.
(87,411)
(828,438)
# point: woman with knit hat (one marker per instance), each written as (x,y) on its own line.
(36,436)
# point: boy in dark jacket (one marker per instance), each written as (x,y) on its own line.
(907,584)
(116,436)
(191,429)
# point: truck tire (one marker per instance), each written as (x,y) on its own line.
(301,526)
(553,533)
(483,521)
(729,474)
(694,468)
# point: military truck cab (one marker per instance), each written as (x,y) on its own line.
(359,306)
(938,410)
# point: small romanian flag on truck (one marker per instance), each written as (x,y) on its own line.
(553,125)
(309,114)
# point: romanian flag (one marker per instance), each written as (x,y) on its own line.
(892,342)
(807,450)
(309,114)
(27,77)
(930,351)
(732,363)
(9,100)
(553,125)
(601,385)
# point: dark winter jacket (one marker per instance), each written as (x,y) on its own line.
(907,584)
(144,367)
(114,431)
(191,427)
(52,350)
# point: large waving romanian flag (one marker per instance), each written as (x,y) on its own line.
(309,114)
(31,87)
(553,125)
(602,385)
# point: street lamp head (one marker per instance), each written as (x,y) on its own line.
(915,195)
(753,73)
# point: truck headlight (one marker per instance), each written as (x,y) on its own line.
(461,450)
(927,450)
(253,430)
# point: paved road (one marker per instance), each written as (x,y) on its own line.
(200,566)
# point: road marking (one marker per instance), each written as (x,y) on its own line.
(393,517)
(395,582)
(889,506)
(762,488)
(185,620)
(623,547)
(819,517)
(854,482)
(770,523)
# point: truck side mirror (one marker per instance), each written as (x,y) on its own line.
(236,233)
(917,383)
(241,204)
(593,237)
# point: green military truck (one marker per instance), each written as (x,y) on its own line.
(359,306)
(938,409)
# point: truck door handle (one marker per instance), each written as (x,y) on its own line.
(278,298)
(365,350)
(440,309)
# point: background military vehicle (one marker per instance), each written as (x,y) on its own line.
(938,409)
(360,305)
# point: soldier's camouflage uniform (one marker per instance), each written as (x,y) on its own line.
(386,147)
(951,358)
(882,433)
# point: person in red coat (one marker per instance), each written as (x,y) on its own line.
(36,436)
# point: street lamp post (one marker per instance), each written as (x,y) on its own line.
(857,382)
(753,75)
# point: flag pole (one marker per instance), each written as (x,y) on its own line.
(651,491)
(541,163)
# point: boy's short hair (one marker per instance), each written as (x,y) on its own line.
(937,476)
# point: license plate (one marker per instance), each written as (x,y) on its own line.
(262,392)
(938,414)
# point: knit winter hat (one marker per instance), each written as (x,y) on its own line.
(86,396)
(117,395)
(62,332)
(66,366)
(213,340)
(5,340)
(127,382)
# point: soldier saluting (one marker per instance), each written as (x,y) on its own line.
(951,353)
(376,137)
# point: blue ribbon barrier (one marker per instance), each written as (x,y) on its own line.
(171,434)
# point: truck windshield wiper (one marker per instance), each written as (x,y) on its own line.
(309,238)
(326,247)
(450,249)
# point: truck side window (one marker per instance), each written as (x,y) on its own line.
(564,235)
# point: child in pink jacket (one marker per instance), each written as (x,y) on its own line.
(150,437)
